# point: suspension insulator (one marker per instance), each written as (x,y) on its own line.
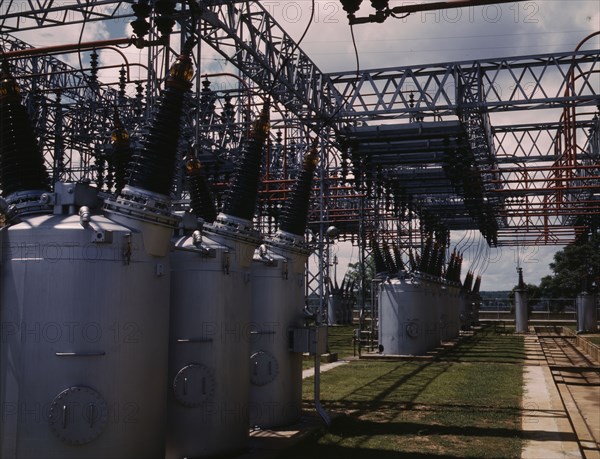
(295,212)
(451,266)
(94,67)
(228,115)
(240,201)
(378,257)
(379,5)
(21,161)
(351,6)
(122,83)
(477,284)
(139,98)
(412,260)
(398,257)
(165,10)
(153,167)
(388,258)
(141,26)
(439,267)
(468,283)
(202,202)
(121,153)
(433,259)
(426,255)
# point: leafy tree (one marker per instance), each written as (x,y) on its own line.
(574,269)
(355,274)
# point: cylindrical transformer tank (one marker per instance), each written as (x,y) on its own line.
(347,307)
(408,316)
(278,295)
(466,310)
(521,312)
(84,340)
(209,374)
(454,302)
(586,313)
(334,310)
(443,305)
(433,307)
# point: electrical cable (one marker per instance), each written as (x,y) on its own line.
(356,55)
(405,15)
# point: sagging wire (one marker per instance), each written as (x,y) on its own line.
(395,16)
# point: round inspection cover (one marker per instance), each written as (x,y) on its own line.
(412,329)
(78,415)
(193,385)
(263,368)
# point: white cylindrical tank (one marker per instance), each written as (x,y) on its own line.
(465,313)
(209,373)
(433,312)
(444,307)
(84,315)
(586,313)
(347,307)
(334,310)
(278,298)
(408,316)
(521,312)
(454,307)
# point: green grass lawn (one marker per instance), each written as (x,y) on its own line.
(339,341)
(464,404)
(594,339)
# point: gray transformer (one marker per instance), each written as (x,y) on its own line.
(278,295)
(409,315)
(586,313)
(335,313)
(521,311)
(84,314)
(452,300)
(209,373)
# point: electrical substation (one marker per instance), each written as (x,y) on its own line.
(167,232)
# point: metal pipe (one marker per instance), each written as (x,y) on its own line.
(409,9)
(404,9)
(57,49)
(323,247)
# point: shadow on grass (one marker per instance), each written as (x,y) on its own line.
(370,439)
(348,426)
(386,408)
(340,452)
(487,346)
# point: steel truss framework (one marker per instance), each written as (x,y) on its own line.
(538,180)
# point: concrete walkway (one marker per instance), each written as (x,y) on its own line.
(324,367)
(551,421)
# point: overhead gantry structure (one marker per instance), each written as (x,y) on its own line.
(505,146)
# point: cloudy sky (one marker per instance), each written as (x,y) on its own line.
(512,29)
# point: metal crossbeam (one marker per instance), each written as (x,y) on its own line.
(20,15)
(249,37)
(509,84)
